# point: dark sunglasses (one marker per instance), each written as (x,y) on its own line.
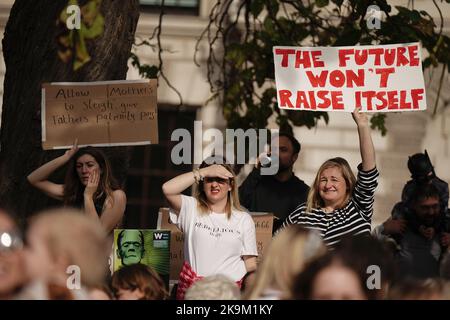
(216,179)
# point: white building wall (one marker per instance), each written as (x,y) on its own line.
(408,133)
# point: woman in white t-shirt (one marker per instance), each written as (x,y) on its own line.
(219,235)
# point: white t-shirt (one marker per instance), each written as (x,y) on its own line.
(214,244)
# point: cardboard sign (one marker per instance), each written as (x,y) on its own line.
(385,78)
(108,113)
(176,245)
(146,246)
(263,225)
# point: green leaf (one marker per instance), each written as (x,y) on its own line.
(338,2)
(378,122)
(402,10)
(415,16)
(235,55)
(322,3)
(273,7)
(256,7)
(349,37)
(426,63)
(269,26)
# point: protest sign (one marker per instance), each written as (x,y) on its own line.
(108,113)
(176,245)
(384,78)
(146,246)
(263,227)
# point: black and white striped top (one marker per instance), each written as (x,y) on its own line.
(355,218)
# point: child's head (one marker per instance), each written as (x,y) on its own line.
(63,238)
(329,277)
(138,282)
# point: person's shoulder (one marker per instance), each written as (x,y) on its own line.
(241,214)
(299,182)
(438,182)
(245,219)
(119,195)
(189,199)
(301,208)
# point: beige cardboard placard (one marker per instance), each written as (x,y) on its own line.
(176,243)
(263,225)
(105,113)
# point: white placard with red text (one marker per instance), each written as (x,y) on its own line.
(384,78)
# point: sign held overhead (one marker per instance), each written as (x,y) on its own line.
(107,113)
(384,78)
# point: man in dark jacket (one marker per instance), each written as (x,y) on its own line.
(281,193)
(418,231)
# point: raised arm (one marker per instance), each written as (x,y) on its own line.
(38,178)
(365,140)
(173,188)
(113,211)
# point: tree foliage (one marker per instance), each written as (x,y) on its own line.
(32,49)
(241,35)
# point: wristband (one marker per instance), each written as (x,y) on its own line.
(196,178)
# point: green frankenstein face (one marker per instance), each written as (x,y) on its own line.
(131,247)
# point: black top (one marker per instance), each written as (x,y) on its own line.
(264,193)
(353,219)
(97,203)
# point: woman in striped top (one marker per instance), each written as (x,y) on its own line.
(338,204)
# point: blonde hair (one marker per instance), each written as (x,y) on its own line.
(314,199)
(232,196)
(285,257)
(215,287)
(69,233)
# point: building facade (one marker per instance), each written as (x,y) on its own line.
(408,133)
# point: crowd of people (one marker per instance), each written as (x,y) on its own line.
(323,246)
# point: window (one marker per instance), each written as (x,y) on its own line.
(171,3)
(171,6)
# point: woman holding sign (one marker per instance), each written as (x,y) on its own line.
(89,184)
(219,236)
(338,204)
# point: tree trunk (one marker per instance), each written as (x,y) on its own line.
(30,53)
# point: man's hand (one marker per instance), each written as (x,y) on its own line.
(262,159)
(394,226)
(445,239)
(427,232)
